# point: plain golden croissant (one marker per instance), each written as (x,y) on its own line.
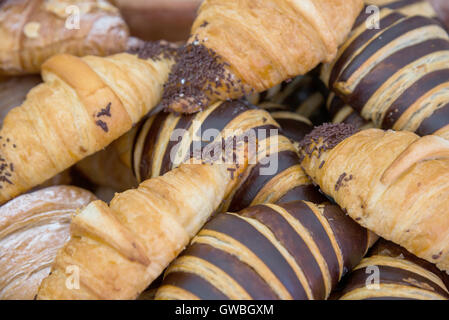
(116,251)
(33,227)
(396,184)
(33,31)
(242,46)
(297,250)
(395,75)
(83,105)
(390,272)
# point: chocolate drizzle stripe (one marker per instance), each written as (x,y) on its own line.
(393,33)
(359,42)
(194,284)
(250,237)
(249,189)
(146,161)
(243,274)
(335,105)
(388,67)
(220,118)
(438,120)
(392,275)
(184,123)
(389,298)
(351,238)
(304,214)
(294,243)
(306,192)
(294,129)
(355,119)
(425,84)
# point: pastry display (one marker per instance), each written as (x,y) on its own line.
(402,276)
(83,105)
(394,183)
(32,229)
(33,31)
(238,47)
(223,149)
(298,250)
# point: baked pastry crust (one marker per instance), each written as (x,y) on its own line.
(33,227)
(239,46)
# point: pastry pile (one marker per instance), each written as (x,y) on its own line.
(287,150)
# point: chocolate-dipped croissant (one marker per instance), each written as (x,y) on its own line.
(392,273)
(296,250)
(240,46)
(164,141)
(396,184)
(395,75)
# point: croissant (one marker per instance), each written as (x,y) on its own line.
(118,250)
(298,250)
(32,229)
(391,273)
(33,31)
(238,47)
(395,75)
(395,184)
(83,105)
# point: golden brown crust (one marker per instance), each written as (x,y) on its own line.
(402,199)
(120,249)
(83,105)
(32,228)
(33,31)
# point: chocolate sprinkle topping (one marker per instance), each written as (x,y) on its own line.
(105,111)
(103,125)
(325,137)
(342,179)
(154,50)
(197,76)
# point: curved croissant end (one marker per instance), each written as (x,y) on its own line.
(426,148)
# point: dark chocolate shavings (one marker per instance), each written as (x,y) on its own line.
(324,138)
(156,50)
